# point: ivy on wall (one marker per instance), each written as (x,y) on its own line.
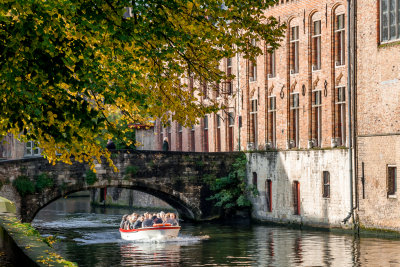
(231,192)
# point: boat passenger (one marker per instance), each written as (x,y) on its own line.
(172,219)
(138,223)
(148,222)
(132,221)
(158,219)
(126,224)
(121,225)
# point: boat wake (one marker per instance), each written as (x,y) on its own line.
(114,237)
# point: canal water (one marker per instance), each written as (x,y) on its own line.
(90,237)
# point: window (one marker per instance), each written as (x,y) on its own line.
(179,147)
(390,20)
(391,180)
(316,45)
(253,122)
(216,90)
(31,149)
(340,41)
(268,195)
(272,121)
(192,139)
(253,66)
(205,134)
(205,89)
(296,197)
(255,179)
(341,115)
(218,143)
(271,64)
(294,110)
(294,50)
(317,120)
(231,123)
(169,130)
(326,190)
(229,89)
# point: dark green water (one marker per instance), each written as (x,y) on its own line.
(90,237)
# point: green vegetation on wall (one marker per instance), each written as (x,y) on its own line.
(24,185)
(43,181)
(91,177)
(231,192)
(131,170)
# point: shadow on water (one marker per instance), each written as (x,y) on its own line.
(90,237)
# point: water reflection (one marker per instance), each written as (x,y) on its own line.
(164,254)
(90,237)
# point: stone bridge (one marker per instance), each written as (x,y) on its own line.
(175,177)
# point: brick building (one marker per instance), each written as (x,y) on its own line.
(292,101)
(378,113)
(293,98)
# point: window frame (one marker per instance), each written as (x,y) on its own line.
(393,193)
(340,101)
(254,117)
(253,65)
(388,12)
(340,56)
(326,184)
(272,111)
(296,114)
(318,111)
(316,45)
(271,64)
(294,43)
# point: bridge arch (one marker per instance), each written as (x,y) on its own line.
(174,177)
(184,209)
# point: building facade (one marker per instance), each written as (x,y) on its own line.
(292,98)
(378,113)
(290,109)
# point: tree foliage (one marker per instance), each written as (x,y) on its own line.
(66,66)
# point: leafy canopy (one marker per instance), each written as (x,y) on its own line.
(67,66)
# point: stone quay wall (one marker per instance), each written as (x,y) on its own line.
(306,168)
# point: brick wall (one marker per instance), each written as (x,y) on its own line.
(378,113)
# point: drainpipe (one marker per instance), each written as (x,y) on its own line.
(238,95)
(351,214)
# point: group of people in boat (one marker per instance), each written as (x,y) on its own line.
(136,221)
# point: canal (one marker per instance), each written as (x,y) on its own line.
(90,237)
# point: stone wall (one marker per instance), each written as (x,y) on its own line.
(175,177)
(306,167)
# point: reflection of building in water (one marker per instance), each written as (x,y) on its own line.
(160,253)
(126,197)
(299,248)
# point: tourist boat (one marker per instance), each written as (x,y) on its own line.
(157,232)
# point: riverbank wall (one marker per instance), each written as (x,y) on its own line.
(25,247)
(310,187)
